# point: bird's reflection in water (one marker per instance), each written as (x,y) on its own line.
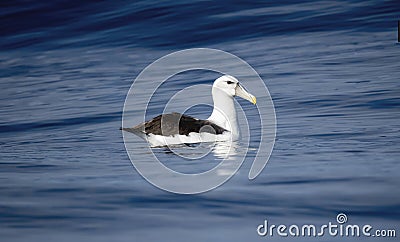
(220,149)
(224,157)
(226,149)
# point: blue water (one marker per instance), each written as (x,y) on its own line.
(332,68)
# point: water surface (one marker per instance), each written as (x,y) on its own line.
(332,68)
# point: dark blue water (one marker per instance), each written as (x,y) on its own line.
(333,70)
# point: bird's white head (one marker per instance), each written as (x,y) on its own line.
(224,89)
(231,86)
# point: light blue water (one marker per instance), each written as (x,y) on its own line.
(333,72)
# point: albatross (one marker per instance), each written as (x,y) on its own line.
(222,125)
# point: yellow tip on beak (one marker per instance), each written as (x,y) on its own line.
(241,92)
(254,100)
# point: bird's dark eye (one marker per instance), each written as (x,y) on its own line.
(229,82)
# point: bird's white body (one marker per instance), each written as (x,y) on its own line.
(191,138)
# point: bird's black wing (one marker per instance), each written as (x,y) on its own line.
(175,123)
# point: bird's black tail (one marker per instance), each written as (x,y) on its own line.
(134,130)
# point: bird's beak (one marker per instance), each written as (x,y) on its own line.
(243,93)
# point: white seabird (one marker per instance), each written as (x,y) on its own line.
(176,128)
